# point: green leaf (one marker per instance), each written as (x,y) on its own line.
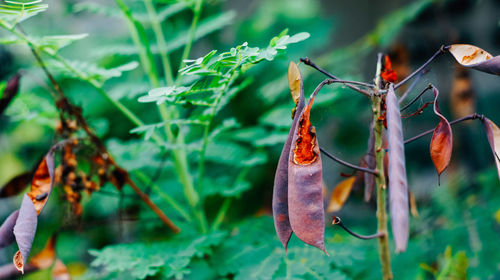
(232,154)
(92,71)
(13,12)
(142,260)
(49,44)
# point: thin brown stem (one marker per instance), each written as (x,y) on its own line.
(64,104)
(338,221)
(441,50)
(355,167)
(412,86)
(466,118)
(308,62)
(430,86)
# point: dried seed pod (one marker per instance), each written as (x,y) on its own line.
(305,190)
(476,58)
(371,163)
(398,185)
(280,190)
(10,92)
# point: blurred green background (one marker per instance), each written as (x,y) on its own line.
(463,213)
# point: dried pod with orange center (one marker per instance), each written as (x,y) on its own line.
(305,188)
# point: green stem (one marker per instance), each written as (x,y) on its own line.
(146,180)
(192,34)
(182,170)
(383,240)
(222,213)
(160,39)
(201,161)
(180,158)
(140,39)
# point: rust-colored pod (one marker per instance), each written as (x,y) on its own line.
(305,195)
(280,190)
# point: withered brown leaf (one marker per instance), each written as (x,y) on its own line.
(340,194)
(475,58)
(442,140)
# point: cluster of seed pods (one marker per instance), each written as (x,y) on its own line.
(298,191)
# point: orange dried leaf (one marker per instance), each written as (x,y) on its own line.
(493,133)
(442,140)
(475,58)
(413,205)
(60,271)
(294,81)
(43,181)
(46,257)
(340,194)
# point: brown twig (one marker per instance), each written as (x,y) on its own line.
(338,221)
(466,118)
(355,167)
(308,62)
(65,105)
(441,50)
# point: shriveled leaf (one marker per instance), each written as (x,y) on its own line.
(493,133)
(413,205)
(60,271)
(24,231)
(442,140)
(16,185)
(280,189)
(7,229)
(43,181)
(47,256)
(305,188)
(9,92)
(340,194)
(475,58)
(371,163)
(398,185)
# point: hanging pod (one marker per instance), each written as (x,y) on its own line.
(305,191)
(280,190)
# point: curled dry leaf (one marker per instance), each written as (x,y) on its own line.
(43,181)
(46,257)
(7,230)
(398,185)
(493,133)
(24,231)
(60,271)
(305,195)
(340,194)
(280,190)
(442,140)
(16,185)
(10,92)
(475,58)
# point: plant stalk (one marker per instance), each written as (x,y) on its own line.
(192,33)
(383,240)
(160,39)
